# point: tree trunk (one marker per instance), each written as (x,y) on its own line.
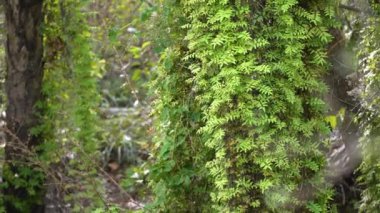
(23,88)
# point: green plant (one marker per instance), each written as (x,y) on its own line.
(178,177)
(70,120)
(369,52)
(241,95)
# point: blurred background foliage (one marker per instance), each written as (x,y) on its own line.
(121,39)
(2,70)
(2,55)
(2,95)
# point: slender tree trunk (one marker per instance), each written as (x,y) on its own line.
(23,88)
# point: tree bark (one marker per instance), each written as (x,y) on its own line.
(24,53)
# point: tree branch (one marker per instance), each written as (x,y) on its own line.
(351,8)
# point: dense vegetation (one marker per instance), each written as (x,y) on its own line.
(190,106)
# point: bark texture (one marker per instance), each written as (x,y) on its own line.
(23,88)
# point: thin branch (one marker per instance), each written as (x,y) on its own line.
(351,8)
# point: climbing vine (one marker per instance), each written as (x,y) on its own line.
(71,99)
(369,52)
(178,176)
(253,70)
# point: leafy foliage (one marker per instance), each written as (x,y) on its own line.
(251,71)
(178,176)
(71,99)
(239,118)
(369,53)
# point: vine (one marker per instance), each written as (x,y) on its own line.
(254,70)
(369,52)
(178,176)
(70,88)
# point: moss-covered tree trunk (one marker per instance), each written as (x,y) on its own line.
(23,89)
(254,72)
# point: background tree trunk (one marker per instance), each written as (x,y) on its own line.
(23,88)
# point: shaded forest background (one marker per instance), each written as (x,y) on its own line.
(197,106)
